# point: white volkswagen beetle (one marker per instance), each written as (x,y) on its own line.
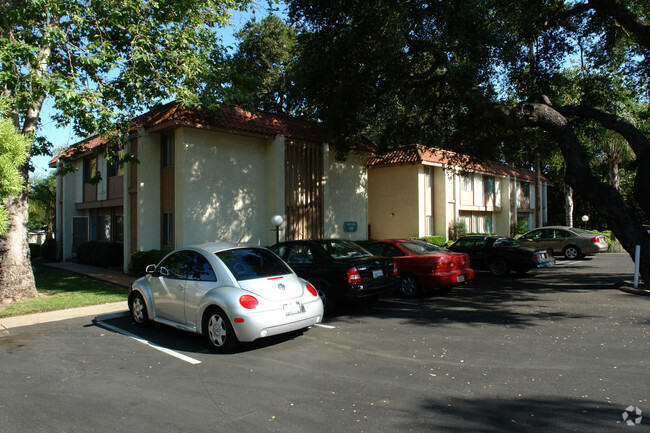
(229,293)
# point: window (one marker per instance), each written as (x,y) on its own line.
(175,266)
(488,185)
(467,181)
(251,263)
(115,169)
(300,254)
(167,150)
(118,228)
(200,268)
(525,189)
(89,169)
(168,230)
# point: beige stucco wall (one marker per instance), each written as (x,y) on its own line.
(221,185)
(393,203)
(148,192)
(345,195)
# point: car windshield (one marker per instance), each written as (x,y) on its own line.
(418,247)
(343,249)
(509,242)
(250,263)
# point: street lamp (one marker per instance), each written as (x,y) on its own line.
(585,218)
(277,221)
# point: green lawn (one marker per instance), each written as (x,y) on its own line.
(60,290)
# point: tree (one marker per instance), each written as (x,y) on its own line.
(264,65)
(422,72)
(100,64)
(42,204)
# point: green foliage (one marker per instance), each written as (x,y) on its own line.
(13,154)
(42,202)
(141,259)
(435,240)
(103,254)
(457,231)
(518,228)
(264,66)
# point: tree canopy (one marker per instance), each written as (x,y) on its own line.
(433,73)
(101,63)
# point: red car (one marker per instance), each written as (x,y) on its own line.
(421,264)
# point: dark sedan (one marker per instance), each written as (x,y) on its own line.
(339,269)
(500,255)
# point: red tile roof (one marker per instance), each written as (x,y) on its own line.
(419,154)
(228,118)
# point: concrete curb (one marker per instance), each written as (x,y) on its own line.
(104,310)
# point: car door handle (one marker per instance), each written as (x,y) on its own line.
(180,288)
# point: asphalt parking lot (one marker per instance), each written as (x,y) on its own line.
(558,350)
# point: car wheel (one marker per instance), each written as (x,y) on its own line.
(219,332)
(572,252)
(499,267)
(138,309)
(410,285)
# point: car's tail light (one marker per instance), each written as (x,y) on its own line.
(248,301)
(311,289)
(443,265)
(395,273)
(354,276)
(595,239)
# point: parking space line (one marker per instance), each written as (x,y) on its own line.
(399,302)
(150,344)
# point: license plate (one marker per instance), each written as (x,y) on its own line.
(292,308)
(460,278)
(377,273)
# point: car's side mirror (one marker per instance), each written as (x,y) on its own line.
(151,269)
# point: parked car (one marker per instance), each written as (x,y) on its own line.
(500,255)
(571,242)
(421,264)
(227,292)
(339,269)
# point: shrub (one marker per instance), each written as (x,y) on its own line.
(141,259)
(519,228)
(34,251)
(48,250)
(436,240)
(102,254)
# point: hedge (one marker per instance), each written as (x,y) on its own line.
(102,254)
(141,259)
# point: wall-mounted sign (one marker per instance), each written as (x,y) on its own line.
(350,226)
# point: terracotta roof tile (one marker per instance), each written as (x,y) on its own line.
(418,154)
(228,118)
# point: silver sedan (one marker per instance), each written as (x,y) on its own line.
(228,293)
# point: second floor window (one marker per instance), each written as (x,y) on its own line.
(467,181)
(167,150)
(89,169)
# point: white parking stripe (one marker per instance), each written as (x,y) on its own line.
(399,302)
(150,344)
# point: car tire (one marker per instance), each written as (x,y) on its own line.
(138,309)
(410,286)
(572,252)
(499,267)
(218,331)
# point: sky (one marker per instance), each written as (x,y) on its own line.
(63,137)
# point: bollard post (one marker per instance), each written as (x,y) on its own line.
(637,263)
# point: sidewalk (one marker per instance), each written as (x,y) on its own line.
(113,309)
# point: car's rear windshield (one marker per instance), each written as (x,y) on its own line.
(418,247)
(343,249)
(580,232)
(251,263)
